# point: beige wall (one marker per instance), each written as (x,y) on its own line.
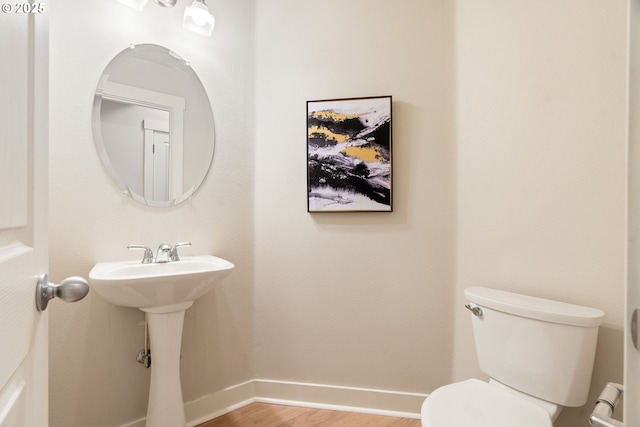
(94,377)
(509,158)
(355,299)
(541,143)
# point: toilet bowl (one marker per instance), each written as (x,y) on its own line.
(538,353)
(472,403)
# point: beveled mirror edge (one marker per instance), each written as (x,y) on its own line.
(185,194)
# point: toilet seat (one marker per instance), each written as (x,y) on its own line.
(475,403)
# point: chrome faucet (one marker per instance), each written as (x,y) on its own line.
(166,252)
(163,253)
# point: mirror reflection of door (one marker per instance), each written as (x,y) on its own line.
(157,160)
(130,118)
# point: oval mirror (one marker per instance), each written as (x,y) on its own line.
(153,125)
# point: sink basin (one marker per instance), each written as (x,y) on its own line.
(158,287)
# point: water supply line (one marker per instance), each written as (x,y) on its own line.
(144,355)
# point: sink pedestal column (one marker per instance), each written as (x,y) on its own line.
(166,407)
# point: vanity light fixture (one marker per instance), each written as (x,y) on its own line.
(197,17)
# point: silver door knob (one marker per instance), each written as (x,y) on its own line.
(71,289)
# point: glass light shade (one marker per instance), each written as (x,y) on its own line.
(134,4)
(198,19)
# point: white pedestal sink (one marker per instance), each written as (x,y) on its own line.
(164,291)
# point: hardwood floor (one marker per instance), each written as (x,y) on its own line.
(266,415)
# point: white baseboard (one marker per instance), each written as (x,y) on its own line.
(137,423)
(321,396)
(219,403)
(380,402)
(213,405)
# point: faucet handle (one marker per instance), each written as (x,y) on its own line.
(173,255)
(148,255)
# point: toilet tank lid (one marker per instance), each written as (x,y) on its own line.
(534,307)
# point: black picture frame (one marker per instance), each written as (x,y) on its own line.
(349,155)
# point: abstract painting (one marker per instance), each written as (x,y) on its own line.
(349,155)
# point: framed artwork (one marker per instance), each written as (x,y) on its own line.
(349,155)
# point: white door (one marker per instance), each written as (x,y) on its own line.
(161,158)
(23,212)
(157,160)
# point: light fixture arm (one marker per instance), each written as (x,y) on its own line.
(166,3)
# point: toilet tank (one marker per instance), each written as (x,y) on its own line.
(538,346)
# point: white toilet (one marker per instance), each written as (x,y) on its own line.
(539,354)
